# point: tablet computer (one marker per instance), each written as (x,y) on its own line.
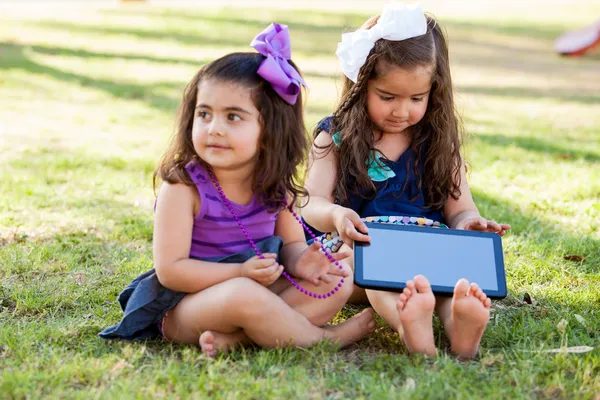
(399,252)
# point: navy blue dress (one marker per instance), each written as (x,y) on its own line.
(145,301)
(398,193)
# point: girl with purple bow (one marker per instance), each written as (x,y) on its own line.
(230,261)
(391,153)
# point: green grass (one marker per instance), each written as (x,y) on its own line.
(87,105)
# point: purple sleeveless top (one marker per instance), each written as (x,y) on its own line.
(216,232)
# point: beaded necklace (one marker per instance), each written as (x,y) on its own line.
(259,253)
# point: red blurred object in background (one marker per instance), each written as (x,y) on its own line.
(578,42)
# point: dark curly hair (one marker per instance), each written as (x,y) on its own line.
(283,141)
(436,138)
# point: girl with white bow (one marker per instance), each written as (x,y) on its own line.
(391,152)
(225,225)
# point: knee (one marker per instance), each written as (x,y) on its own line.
(247,297)
(241,290)
(320,313)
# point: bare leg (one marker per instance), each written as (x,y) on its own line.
(415,306)
(213,342)
(359,296)
(464,317)
(410,313)
(263,316)
(318,311)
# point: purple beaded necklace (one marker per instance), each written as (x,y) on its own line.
(259,253)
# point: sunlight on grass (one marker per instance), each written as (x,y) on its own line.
(89,94)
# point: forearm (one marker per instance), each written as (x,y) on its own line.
(318,213)
(290,253)
(191,276)
(455,220)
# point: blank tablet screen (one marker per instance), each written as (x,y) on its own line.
(397,256)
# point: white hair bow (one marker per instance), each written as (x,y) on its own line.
(397,22)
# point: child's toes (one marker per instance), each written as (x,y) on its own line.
(461,288)
(478,292)
(401,302)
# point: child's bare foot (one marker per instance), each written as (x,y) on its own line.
(213,342)
(470,315)
(353,329)
(415,306)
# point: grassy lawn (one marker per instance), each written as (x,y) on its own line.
(87,100)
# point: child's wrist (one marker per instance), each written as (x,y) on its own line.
(335,211)
(239,268)
(463,216)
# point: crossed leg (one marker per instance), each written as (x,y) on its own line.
(241,307)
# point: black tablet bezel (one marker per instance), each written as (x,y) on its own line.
(440,290)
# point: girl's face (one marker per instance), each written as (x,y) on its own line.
(398,98)
(226,129)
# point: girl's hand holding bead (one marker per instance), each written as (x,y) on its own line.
(314,266)
(348,223)
(482,225)
(263,270)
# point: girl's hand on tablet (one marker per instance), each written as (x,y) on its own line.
(482,225)
(349,225)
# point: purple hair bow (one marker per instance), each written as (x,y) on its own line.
(274,43)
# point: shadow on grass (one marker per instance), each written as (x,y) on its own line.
(519,324)
(85,54)
(310,47)
(315,39)
(73,274)
(15,57)
(540,233)
(231,15)
(506,57)
(534,60)
(536,145)
(516,30)
(575,95)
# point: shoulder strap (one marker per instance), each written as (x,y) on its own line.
(325,125)
(199,176)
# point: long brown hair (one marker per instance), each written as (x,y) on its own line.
(437,137)
(283,140)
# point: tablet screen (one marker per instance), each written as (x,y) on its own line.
(397,256)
